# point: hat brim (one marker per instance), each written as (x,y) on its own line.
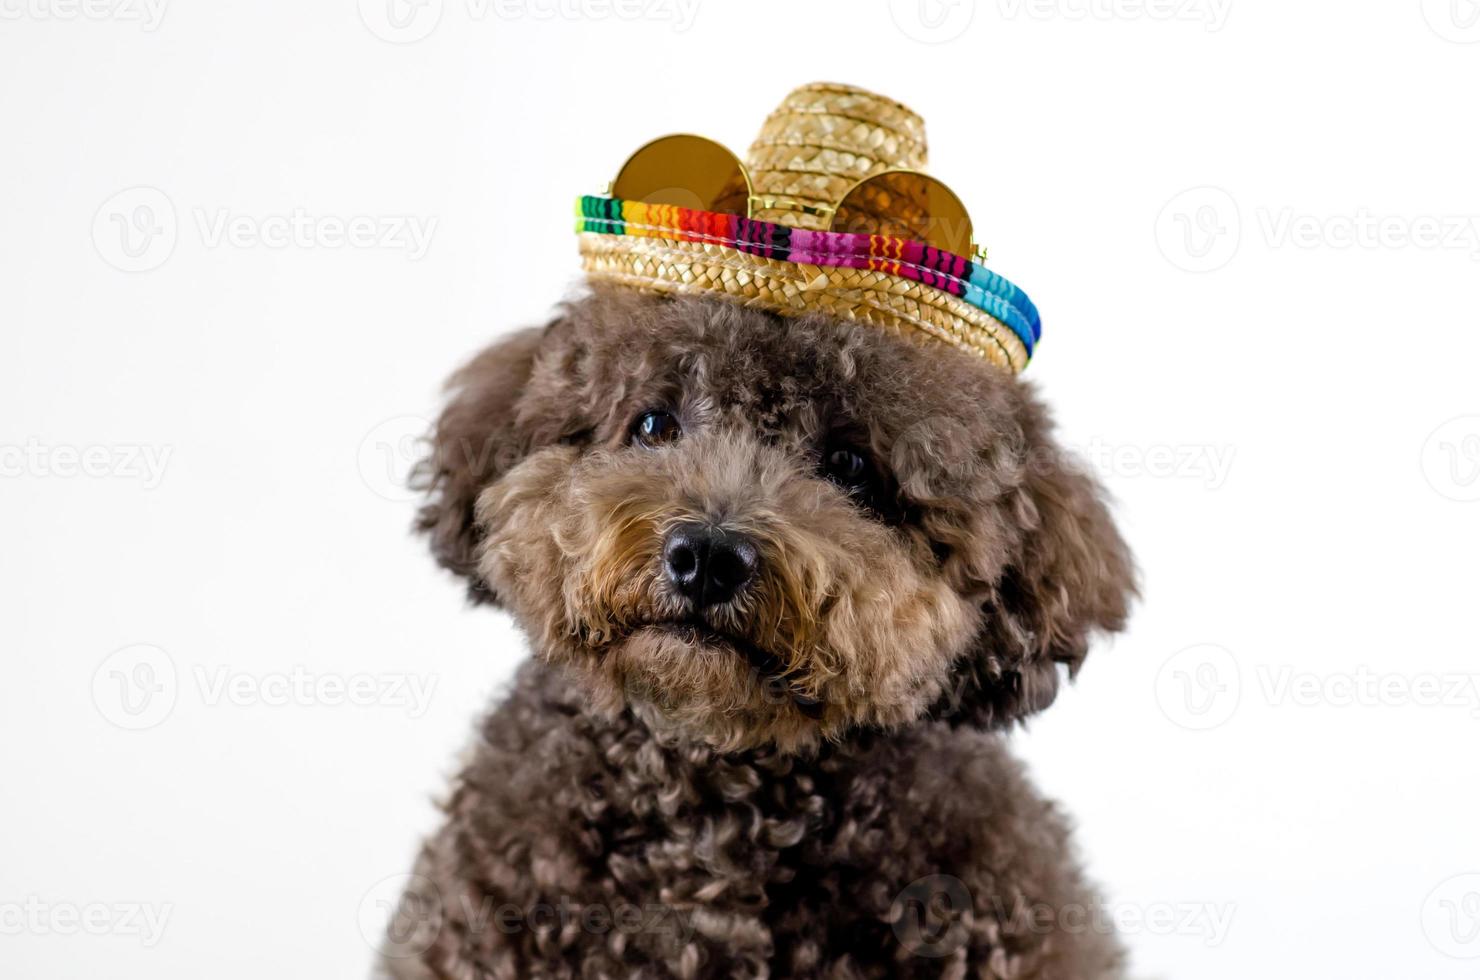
(904,286)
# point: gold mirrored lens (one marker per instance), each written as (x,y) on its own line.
(686,171)
(906,204)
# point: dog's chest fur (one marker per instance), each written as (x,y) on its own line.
(578,846)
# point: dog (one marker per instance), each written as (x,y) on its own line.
(787,580)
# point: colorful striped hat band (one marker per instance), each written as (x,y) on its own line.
(830,214)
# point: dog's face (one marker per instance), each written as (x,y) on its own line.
(755,530)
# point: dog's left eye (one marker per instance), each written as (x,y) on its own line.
(655,428)
(846,467)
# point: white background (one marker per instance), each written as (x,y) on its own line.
(1249,227)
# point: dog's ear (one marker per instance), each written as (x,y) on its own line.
(1070,578)
(476,441)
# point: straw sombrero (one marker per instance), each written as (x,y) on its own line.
(830,213)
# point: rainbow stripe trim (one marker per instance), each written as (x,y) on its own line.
(976,284)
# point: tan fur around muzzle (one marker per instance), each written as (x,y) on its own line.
(844,606)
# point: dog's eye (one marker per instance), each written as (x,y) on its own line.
(655,429)
(853,472)
(846,467)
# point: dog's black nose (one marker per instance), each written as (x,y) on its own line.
(708,565)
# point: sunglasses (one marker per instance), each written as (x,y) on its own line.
(695,172)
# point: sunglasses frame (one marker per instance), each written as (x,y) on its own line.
(759,202)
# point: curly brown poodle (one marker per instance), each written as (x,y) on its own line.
(786,582)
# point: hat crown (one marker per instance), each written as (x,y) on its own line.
(823,139)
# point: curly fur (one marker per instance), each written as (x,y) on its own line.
(781,792)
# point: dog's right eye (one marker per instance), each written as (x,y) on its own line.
(655,428)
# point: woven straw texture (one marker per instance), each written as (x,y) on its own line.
(823,139)
(899,305)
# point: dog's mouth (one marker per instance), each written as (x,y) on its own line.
(771,669)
